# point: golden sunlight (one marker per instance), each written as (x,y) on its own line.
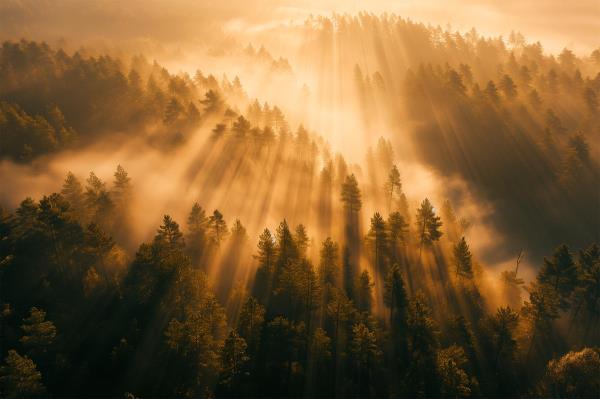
(299,199)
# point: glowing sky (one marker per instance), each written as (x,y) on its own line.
(556,23)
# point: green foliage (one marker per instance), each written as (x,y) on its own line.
(574,375)
(217,228)
(397,234)
(251,321)
(301,239)
(455,381)
(463,263)
(265,257)
(393,186)
(560,274)
(212,101)
(503,325)
(329,269)
(364,292)
(428,224)
(197,226)
(234,360)
(20,378)
(351,196)
(377,240)
(38,333)
(394,296)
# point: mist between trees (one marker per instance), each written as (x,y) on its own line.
(169,235)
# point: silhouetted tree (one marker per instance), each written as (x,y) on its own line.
(428,225)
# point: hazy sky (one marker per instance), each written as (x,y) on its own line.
(557,23)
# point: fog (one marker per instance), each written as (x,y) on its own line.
(556,23)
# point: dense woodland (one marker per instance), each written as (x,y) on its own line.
(320,304)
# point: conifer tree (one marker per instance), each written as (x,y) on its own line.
(217,228)
(265,257)
(397,234)
(377,239)
(503,325)
(508,87)
(301,239)
(72,191)
(463,263)
(212,101)
(428,224)
(250,324)
(197,225)
(38,333)
(560,273)
(121,186)
(364,292)
(328,266)
(351,195)
(394,297)
(587,293)
(241,126)
(393,186)
(19,377)
(455,382)
(234,363)
(349,275)
(168,235)
(422,378)
(364,354)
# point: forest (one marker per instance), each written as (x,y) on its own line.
(176,234)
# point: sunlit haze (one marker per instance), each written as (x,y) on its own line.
(299,198)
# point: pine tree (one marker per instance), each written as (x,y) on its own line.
(463,263)
(397,233)
(587,293)
(94,190)
(72,191)
(38,333)
(197,225)
(364,292)
(492,92)
(234,363)
(394,296)
(351,195)
(503,325)
(121,186)
(422,378)
(212,101)
(349,277)
(455,382)
(19,377)
(541,310)
(301,239)
(428,224)
(377,239)
(265,257)
(217,228)
(574,375)
(241,126)
(560,273)
(168,235)
(286,246)
(393,186)
(328,266)
(508,87)
(364,355)
(173,111)
(250,324)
